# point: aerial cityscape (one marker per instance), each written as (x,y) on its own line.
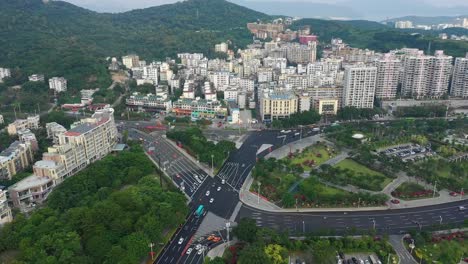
(205,132)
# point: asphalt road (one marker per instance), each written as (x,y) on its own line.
(235,171)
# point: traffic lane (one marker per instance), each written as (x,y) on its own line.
(390,221)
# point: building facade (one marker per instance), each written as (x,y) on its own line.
(58,84)
(277,105)
(359,86)
(460,78)
(388,76)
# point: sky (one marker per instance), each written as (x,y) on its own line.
(347,9)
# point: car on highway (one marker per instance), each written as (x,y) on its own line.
(218,189)
(461,208)
(197,247)
(200,251)
(189,251)
(207,193)
(223,181)
(211,200)
(181,240)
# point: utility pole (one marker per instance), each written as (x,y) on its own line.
(151,245)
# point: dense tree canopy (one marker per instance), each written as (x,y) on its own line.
(106,214)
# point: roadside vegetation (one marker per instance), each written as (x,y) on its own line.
(412,191)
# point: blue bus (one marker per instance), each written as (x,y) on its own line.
(199,211)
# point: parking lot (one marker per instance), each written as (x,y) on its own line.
(408,152)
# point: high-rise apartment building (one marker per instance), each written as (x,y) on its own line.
(460,77)
(296,53)
(426,76)
(58,84)
(14,159)
(403,24)
(359,86)
(4,72)
(388,73)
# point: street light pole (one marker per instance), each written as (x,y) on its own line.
(212,164)
(435,188)
(151,245)
(440,222)
(258,194)
(373,221)
(359,202)
(303,226)
(461,194)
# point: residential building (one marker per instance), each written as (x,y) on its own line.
(460,78)
(242,100)
(247,84)
(426,76)
(14,159)
(304,102)
(266,30)
(231,94)
(5,211)
(234,113)
(88,140)
(190,60)
(465,22)
(359,86)
(2,121)
(403,24)
(151,73)
(36,78)
(277,105)
(131,61)
(328,106)
(222,47)
(31,122)
(305,39)
(220,79)
(58,84)
(28,137)
(4,72)
(198,109)
(388,75)
(148,103)
(296,53)
(54,130)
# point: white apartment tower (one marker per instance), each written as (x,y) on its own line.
(440,72)
(58,84)
(388,72)
(5,211)
(4,72)
(426,76)
(460,78)
(359,86)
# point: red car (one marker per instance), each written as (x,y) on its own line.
(453,194)
(395,201)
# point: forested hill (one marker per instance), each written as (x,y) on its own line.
(58,38)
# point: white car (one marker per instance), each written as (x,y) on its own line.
(200,251)
(211,200)
(189,251)
(219,189)
(461,208)
(181,240)
(223,181)
(197,247)
(207,193)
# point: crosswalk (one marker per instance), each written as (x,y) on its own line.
(234,174)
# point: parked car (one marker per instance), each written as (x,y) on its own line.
(395,201)
(189,251)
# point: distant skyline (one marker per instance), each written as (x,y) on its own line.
(339,9)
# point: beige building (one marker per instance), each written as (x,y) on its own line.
(221,47)
(5,211)
(359,86)
(17,157)
(131,61)
(328,106)
(2,120)
(89,140)
(32,122)
(278,105)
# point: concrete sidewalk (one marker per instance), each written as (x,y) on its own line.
(218,251)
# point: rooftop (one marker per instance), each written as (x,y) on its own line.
(29,182)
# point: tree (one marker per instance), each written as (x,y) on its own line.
(246,230)
(253,254)
(216,260)
(276,253)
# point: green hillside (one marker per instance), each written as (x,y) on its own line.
(59,38)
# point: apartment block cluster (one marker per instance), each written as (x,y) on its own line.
(406,24)
(88,140)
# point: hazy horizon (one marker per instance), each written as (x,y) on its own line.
(339,9)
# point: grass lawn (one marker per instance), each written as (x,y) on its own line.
(317,153)
(361,176)
(412,191)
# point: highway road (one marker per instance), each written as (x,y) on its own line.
(234,172)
